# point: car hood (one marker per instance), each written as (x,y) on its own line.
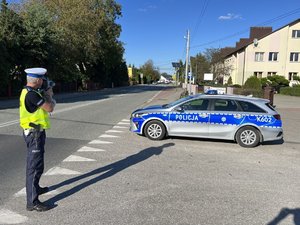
(152,108)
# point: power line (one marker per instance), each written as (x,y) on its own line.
(280,17)
(199,20)
(270,21)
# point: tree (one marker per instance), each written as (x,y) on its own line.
(217,64)
(73,39)
(90,36)
(200,65)
(150,72)
(10,45)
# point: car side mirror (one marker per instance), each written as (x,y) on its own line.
(179,109)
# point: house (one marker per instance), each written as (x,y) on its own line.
(165,79)
(264,53)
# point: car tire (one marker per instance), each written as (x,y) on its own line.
(155,130)
(248,137)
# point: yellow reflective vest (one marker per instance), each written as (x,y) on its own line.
(40,116)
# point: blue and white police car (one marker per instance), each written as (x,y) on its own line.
(246,120)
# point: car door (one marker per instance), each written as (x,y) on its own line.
(225,118)
(190,119)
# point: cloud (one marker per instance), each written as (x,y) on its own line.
(147,8)
(230,16)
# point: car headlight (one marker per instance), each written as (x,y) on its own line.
(138,115)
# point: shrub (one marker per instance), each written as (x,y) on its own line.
(254,92)
(265,82)
(278,80)
(236,86)
(252,83)
(293,91)
(295,77)
(229,82)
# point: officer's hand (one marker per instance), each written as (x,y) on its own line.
(49,92)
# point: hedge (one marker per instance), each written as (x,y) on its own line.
(256,93)
(294,91)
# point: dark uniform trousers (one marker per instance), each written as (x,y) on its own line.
(35,164)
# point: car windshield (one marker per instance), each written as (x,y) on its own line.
(177,102)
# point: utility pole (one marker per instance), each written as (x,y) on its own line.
(187,58)
(190,78)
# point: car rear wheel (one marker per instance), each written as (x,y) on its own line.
(248,137)
(155,130)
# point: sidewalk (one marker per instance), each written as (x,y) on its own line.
(167,95)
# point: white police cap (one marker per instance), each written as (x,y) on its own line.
(36,72)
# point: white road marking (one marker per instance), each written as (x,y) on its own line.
(107,136)
(119,127)
(6,124)
(61,171)
(114,131)
(123,123)
(79,106)
(121,95)
(9,217)
(150,100)
(76,158)
(90,149)
(22,193)
(9,123)
(100,142)
(126,120)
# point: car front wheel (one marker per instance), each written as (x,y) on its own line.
(155,130)
(248,137)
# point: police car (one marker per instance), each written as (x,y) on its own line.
(246,120)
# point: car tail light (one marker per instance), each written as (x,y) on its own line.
(277,117)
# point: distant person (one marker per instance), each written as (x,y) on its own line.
(35,104)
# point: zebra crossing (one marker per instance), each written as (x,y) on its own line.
(98,145)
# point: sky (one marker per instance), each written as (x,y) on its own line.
(156,29)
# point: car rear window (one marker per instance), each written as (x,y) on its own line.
(250,107)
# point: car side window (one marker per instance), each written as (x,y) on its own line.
(225,105)
(250,107)
(197,104)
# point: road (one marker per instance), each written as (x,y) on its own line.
(77,119)
(103,174)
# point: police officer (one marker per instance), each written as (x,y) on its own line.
(35,106)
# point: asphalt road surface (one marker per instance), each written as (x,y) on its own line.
(100,173)
(77,119)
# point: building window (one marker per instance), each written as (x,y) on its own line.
(296,34)
(273,56)
(259,56)
(258,74)
(294,57)
(292,75)
(271,74)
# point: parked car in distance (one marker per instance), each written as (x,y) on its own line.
(211,92)
(246,120)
